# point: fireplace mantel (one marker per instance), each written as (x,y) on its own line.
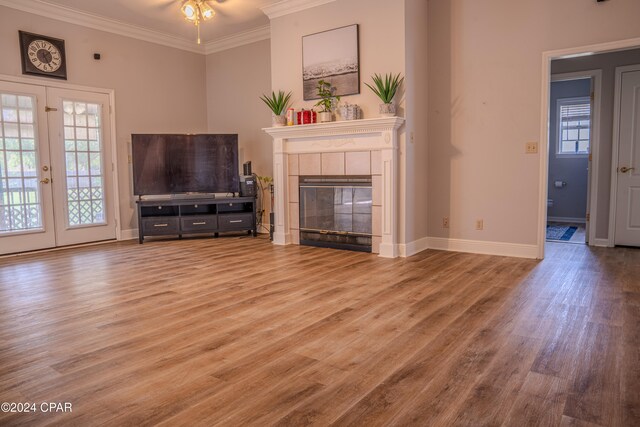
(372,135)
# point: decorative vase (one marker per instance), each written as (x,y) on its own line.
(325,116)
(388,110)
(278,121)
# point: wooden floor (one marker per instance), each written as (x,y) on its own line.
(235,331)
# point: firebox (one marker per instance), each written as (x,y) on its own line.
(335,212)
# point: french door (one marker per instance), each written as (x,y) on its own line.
(26,199)
(81,166)
(56,177)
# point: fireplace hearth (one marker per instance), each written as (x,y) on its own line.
(335,212)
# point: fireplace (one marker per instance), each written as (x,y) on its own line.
(336,212)
(349,148)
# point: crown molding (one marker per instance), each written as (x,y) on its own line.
(286,7)
(96,22)
(238,39)
(72,16)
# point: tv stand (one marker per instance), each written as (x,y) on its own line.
(178,217)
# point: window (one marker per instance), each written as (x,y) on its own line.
(574,124)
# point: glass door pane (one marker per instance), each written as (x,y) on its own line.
(83,163)
(20,199)
(337,208)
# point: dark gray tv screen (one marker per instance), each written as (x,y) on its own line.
(178,164)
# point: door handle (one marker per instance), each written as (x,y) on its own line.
(45,181)
(625,169)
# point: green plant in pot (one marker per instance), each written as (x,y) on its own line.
(386,88)
(278,104)
(327,101)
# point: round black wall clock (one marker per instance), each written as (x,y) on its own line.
(42,55)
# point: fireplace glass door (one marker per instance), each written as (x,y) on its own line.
(336,212)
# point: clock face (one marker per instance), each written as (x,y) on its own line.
(44,56)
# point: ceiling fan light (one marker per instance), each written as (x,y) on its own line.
(190,10)
(206,11)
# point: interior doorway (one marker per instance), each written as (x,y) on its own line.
(571,121)
(57,179)
(604,61)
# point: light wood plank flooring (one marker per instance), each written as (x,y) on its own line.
(235,331)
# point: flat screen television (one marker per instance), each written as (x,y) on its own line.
(178,164)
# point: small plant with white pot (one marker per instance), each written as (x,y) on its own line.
(386,88)
(278,104)
(327,101)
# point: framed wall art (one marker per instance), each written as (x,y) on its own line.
(332,56)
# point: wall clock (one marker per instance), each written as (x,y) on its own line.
(42,55)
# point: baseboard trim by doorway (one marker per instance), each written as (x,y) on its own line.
(517,250)
(603,243)
(59,248)
(129,234)
(566,219)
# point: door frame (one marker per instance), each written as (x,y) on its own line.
(594,143)
(112,115)
(543,163)
(615,148)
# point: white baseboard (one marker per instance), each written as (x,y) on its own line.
(604,243)
(480,247)
(471,246)
(129,234)
(566,219)
(412,248)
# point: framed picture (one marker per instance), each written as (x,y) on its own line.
(332,56)
(43,55)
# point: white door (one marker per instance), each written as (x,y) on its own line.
(82,166)
(627,219)
(26,205)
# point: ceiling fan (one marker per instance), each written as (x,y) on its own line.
(194,11)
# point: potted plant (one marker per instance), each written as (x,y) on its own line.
(278,105)
(327,101)
(386,88)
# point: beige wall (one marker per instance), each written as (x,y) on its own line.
(483,74)
(157,89)
(381,44)
(235,80)
(606,62)
(416,112)
(485,62)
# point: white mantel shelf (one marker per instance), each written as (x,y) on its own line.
(379,135)
(344,127)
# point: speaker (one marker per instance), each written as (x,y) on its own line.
(246,169)
(248,185)
(272,227)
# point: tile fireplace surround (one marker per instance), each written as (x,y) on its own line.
(357,147)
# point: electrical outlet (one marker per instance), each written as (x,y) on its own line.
(479,224)
(531,148)
(445,222)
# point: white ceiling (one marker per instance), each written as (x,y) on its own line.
(163,16)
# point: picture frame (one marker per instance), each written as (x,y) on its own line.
(43,55)
(332,56)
